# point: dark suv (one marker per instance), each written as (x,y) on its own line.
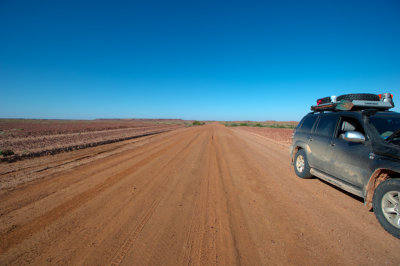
(355,147)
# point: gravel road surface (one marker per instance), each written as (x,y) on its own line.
(194,196)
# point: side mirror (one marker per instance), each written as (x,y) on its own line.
(354,136)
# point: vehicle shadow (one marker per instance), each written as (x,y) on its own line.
(343,191)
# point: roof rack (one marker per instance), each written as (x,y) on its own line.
(354,102)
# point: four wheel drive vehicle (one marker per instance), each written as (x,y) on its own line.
(353,142)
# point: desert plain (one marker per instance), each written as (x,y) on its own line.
(173,195)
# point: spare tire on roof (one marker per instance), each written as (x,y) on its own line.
(358,96)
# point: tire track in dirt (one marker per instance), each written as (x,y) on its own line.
(122,252)
(201,241)
(215,231)
(194,238)
(244,245)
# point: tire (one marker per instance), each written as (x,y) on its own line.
(359,96)
(387,207)
(301,167)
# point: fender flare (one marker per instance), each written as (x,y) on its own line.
(377,177)
(299,145)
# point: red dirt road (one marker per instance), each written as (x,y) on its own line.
(201,195)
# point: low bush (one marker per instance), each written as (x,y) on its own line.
(290,126)
(282,126)
(231,125)
(197,123)
(6,152)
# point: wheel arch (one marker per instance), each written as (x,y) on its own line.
(377,177)
(295,150)
(297,147)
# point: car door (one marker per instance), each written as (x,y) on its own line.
(320,140)
(350,161)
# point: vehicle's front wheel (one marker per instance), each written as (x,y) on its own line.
(301,167)
(386,205)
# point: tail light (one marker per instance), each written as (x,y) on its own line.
(385,96)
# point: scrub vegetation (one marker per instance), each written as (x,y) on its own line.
(289,125)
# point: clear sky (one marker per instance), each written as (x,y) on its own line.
(206,60)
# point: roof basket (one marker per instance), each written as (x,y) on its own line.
(354,102)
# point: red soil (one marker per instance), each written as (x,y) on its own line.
(31,138)
(282,135)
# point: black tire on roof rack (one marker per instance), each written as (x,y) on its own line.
(359,96)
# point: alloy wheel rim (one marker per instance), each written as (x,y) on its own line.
(391,207)
(300,163)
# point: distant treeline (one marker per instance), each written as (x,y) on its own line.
(291,126)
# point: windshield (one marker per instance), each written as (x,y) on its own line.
(386,124)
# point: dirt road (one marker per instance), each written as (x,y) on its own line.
(202,195)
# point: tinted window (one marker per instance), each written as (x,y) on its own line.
(385,124)
(326,125)
(308,123)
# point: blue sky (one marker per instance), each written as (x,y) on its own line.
(207,60)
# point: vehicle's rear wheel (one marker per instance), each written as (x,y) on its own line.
(301,167)
(386,205)
(358,96)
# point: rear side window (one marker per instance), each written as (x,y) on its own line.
(326,125)
(308,123)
